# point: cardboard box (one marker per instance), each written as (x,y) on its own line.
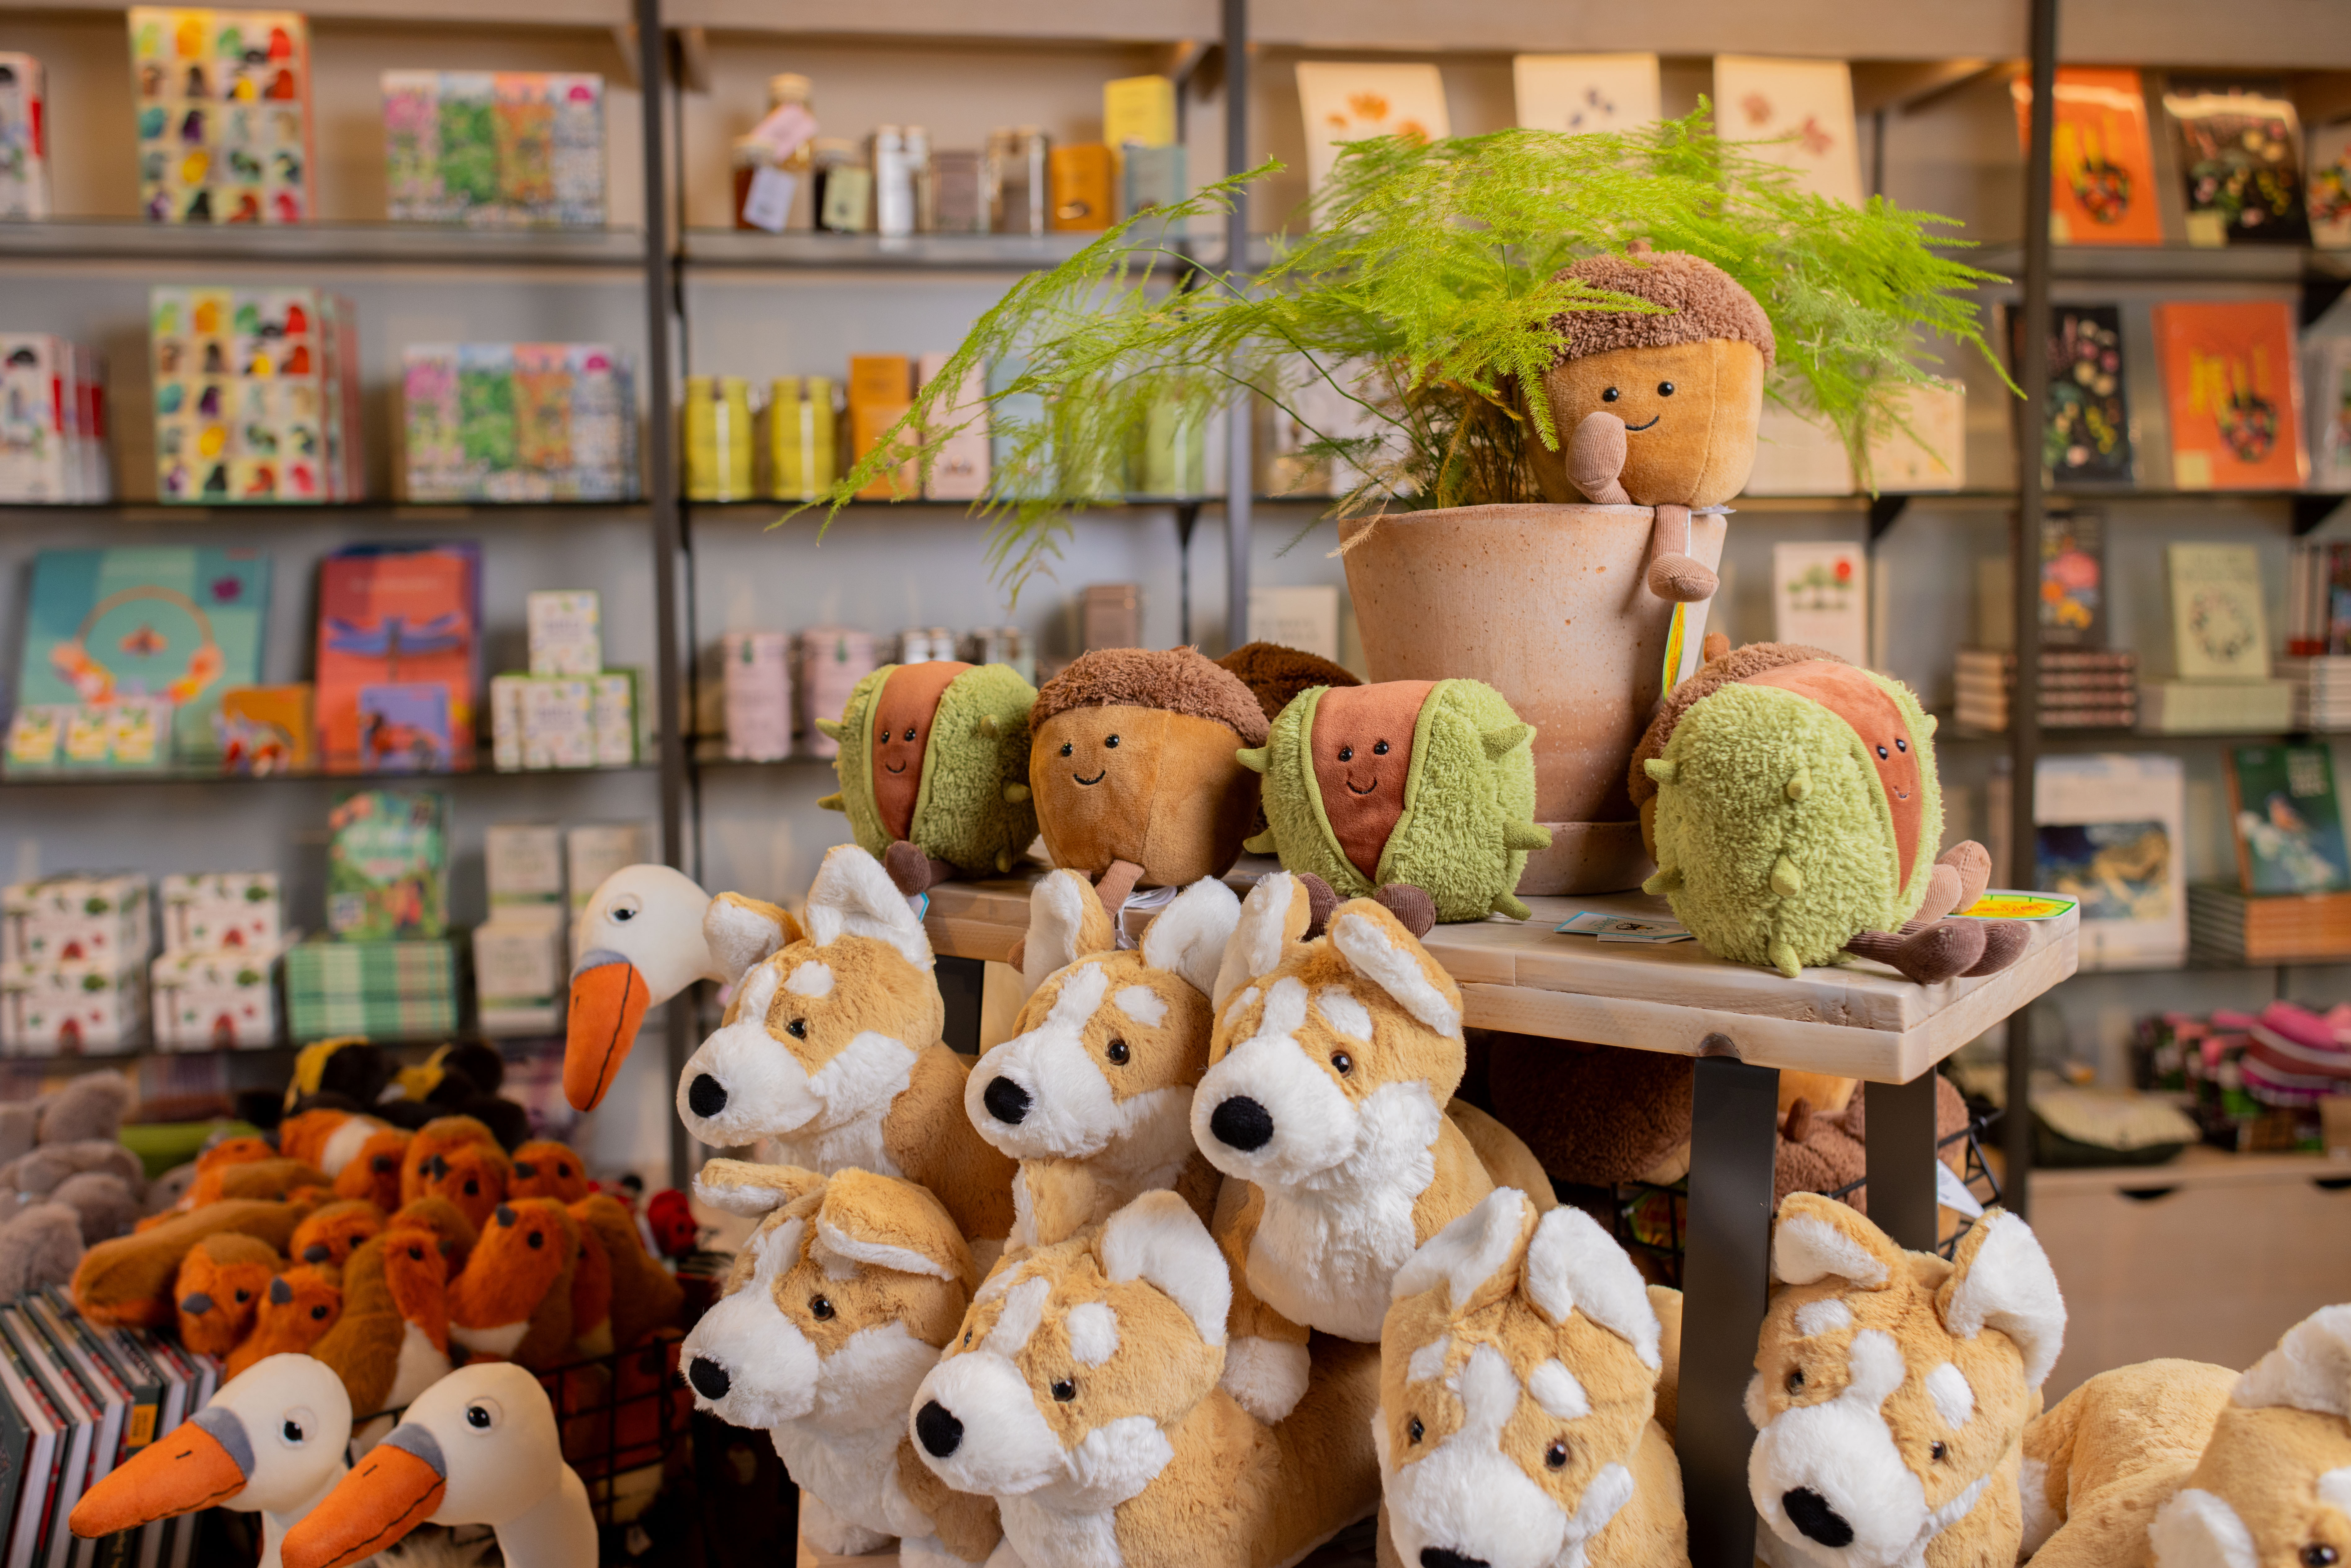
(222,911)
(613,718)
(960,472)
(594,850)
(881,390)
(211,1001)
(101,920)
(519,973)
(523,863)
(72,1009)
(565,629)
(559,722)
(1079,179)
(758,679)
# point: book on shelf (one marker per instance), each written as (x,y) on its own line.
(1139,111)
(256,395)
(2216,707)
(2073,577)
(2086,437)
(388,866)
(1802,109)
(1819,596)
(2228,925)
(2328,191)
(224,115)
(1352,101)
(2100,162)
(53,420)
(2079,688)
(1581,93)
(2327,383)
(24,136)
(2110,832)
(2322,690)
(2218,629)
(2286,821)
(2238,146)
(2230,370)
(396,616)
(494,149)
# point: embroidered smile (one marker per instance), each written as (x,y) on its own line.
(1367,789)
(1095,780)
(895,768)
(1652,418)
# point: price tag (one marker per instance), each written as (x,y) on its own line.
(2004,905)
(769,200)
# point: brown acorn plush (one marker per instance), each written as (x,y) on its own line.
(1274,674)
(1657,410)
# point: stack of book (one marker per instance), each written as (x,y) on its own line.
(52,419)
(2226,926)
(2081,688)
(494,148)
(73,965)
(2322,691)
(214,985)
(386,968)
(256,395)
(224,112)
(517,421)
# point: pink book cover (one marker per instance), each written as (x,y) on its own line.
(396,617)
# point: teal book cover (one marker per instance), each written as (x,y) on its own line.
(180,622)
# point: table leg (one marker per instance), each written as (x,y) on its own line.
(1726,1269)
(1902,1161)
(962,983)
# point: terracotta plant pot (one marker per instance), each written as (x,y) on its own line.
(1549,605)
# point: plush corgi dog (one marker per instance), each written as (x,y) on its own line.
(1332,1063)
(838,1306)
(1093,1096)
(1084,1395)
(1520,1368)
(1891,1390)
(2102,1460)
(833,1050)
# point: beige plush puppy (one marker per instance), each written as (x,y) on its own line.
(1891,1390)
(2273,1487)
(2100,1463)
(1093,1095)
(838,1305)
(1332,1065)
(1084,1395)
(833,1050)
(1519,1371)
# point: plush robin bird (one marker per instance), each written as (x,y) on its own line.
(513,1299)
(472,1175)
(219,1283)
(129,1279)
(441,1135)
(328,1237)
(295,1313)
(391,1342)
(374,1173)
(457,1234)
(327,1139)
(591,1297)
(644,1296)
(545,1168)
(212,1164)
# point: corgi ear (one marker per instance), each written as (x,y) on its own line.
(2309,1370)
(1275,915)
(1158,1238)
(2198,1529)
(1188,938)
(750,1189)
(1377,947)
(741,931)
(1470,1254)
(853,896)
(774,1246)
(2001,1279)
(1818,1238)
(1574,1266)
(884,1223)
(1066,922)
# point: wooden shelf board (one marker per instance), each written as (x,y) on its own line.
(599,14)
(619,250)
(1861,1020)
(935,21)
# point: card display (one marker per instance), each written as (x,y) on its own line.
(1581,93)
(2326,360)
(2102,162)
(2238,148)
(23,138)
(2072,579)
(224,108)
(494,148)
(2229,376)
(2328,189)
(2087,436)
(1802,110)
(1354,101)
(517,421)
(2219,630)
(256,395)
(1819,596)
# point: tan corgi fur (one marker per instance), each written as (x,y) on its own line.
(1892,1389)
(2099,1463)
(1082,1393)
(832,1050)
(838,1305)
(1520,1368)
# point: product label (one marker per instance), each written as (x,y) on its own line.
(769,200)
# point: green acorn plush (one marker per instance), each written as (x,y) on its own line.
(934,770)
(1796,812)
(1429,783)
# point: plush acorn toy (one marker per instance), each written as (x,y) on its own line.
(1430,783)
(934,770)
(1657,409)
(1792,803)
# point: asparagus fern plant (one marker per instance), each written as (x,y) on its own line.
(1425,294)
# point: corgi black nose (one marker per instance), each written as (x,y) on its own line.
(1809,1512)
(1438,1557)
(706,1096)
(1242,1122)
(1006,1100)
(941,1432)
(709,1378)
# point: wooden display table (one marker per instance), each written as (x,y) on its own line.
(1744,1024)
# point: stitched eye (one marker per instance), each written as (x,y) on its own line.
(1883,754)
(820,1309)
(1939,1451)
(966,1338)
(1064,1390)
(318,1312)
(536,1239)
(1664,389)
(1608,396)
(416,1254)
(385,1165)
(1901,745)
(473,1187)
(1346,754)
(1379,748)
(1412,1429)
(1117,1053)
(1110,743)
(910,732)
(243,1296)
(1344,1062)
(2320,1557)
(1555,1457)
(293,1431)
(797,1029)
(1795,1380)
(1065,748)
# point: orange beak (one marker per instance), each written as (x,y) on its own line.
(395,1488)
(187,1468)
(608,998)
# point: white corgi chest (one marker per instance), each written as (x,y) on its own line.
(855,1473)
(857,1146)
(1047,1538)
(1325,1253)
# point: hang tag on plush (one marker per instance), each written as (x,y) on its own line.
(768,203)
(1148,902)
(1953,1194)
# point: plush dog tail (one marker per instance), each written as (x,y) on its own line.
(1504,1155)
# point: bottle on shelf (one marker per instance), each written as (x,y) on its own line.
(843,196)
(1018,179)
(894,182)
(717,438)
(918,170)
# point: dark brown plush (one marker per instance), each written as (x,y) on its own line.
(1821,1154)
(1702,302)
(1176,680)
(1593,1114)
(1274,674)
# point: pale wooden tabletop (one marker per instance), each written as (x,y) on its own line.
(1861,1020)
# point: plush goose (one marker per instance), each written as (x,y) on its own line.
(479,1447)
(271,1441)
(650,931)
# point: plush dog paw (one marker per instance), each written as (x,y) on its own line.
(1413,910)
(2004,943)
(1683,581)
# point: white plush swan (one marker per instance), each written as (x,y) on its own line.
(271,1441)
(480,1446)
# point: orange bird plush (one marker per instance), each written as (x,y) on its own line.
(327,1240)
(513,1299)
(441,1216)
(545,1168)
(220,1283)
(216,1160)
(373,1173)
(296,1311)
(441,1135)
(473,1177)
(392,1340)
(330,1140)
(645,1297)
(591,1297)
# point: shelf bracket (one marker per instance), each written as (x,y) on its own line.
(1884,511)
(2312,510)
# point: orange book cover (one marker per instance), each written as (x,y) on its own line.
(2102,160)
(2229,380)
(391,615)
(881,390)
(1079,179)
